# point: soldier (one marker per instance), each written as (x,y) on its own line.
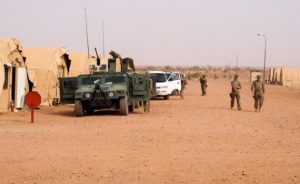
(235,93)
(258,88)
(150,91)
(183,84)
(203,82)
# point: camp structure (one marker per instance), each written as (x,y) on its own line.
(277,76)
(79,64)
(271,75)
(13,75)
(44,67)
(254,74)
(290,77)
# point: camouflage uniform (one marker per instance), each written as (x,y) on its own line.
(183,84)
(258,88)
(235,93)
(203,82)
(150,91)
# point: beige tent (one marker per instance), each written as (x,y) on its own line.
(271,75)
(253,75)
(79,64)
(290,76)
(277,75)
(13,75)
(44,67)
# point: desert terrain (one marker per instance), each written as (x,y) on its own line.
(195,140)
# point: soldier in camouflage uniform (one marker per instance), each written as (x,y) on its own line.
(203,82)
(235,93)
(258,88)
(150,91)
(183,84)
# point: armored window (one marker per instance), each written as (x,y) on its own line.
(115,79)
(89,80)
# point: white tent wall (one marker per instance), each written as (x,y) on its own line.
(13,77)
(45,66)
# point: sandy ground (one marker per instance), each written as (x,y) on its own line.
(196,140)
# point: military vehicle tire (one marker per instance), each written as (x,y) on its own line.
(124,106)
(78,108)
(166,97)
(90,110)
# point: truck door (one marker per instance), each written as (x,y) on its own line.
(68,86)
(140,87)
(174,86)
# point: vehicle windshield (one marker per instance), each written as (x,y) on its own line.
(168,75)
(115,79)
(89,80)
(159,77)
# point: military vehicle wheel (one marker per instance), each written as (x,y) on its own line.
(130,108)
(166,97)
(90,110)
(124,106)
(78,108)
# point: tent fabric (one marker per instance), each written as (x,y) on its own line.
(10,56)
(253,75)
(45,66)
(290,76)
(79,64)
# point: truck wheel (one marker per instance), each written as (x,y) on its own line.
(175,92)
(78,108)
(124,106)
(166,97)
(90,110)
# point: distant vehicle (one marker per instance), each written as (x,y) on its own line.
(167,83)
(174,86)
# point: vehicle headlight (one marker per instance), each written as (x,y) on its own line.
(110,94)
(87,95)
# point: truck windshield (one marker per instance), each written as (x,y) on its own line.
(159,77)
(103,80)
(115,79)
(89,80)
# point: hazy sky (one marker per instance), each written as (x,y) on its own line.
(162,32)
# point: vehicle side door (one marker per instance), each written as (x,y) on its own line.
(140,87)
(174,83)
(68,86)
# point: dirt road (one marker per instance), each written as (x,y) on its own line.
(196,140)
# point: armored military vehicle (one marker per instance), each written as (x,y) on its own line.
(112,84)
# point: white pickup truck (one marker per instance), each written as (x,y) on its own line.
(167,83)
